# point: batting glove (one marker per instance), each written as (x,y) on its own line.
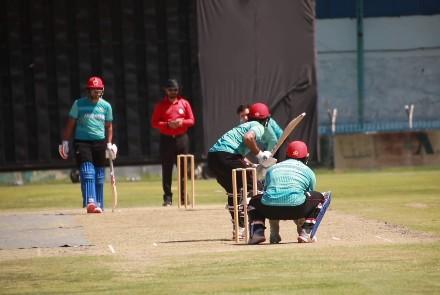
(263,156)
(111,151)
(63,149)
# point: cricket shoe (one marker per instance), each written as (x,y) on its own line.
(91,208)
(304,236)
(257,234)
(97,210)
(241,233)
(167,201)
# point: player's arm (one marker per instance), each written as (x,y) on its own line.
(109,132)
(251,142)
(63,148)
(68,130)
(112,149)
(189,116)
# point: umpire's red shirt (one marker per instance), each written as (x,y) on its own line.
(166,111)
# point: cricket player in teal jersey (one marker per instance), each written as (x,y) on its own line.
(90,119)
(230,150)
(288,194)
(272,135)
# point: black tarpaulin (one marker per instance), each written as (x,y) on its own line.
(257,51)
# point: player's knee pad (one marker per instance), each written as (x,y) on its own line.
(87,174)
(99,186)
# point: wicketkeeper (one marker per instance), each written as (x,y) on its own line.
(90,118)
(288,194)
(229,151)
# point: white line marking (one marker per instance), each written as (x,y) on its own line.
(388,240)
(111,249)
(336,239)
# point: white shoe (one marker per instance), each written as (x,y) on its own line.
(241,233)
(91,208)
(304,237)
(97,210)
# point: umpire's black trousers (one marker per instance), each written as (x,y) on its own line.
(170,147)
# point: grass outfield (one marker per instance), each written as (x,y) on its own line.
(407,197)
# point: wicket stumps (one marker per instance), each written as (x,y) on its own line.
(185,158)
(244,199)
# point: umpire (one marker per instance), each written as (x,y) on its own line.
(172,116)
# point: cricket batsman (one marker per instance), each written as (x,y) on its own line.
(230,150)
(272,135)
(90,120)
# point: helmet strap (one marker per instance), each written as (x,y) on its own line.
(266,121)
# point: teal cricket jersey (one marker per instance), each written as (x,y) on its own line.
(276,129)
(271,135)
(232,141)
(286,183)
(90,118)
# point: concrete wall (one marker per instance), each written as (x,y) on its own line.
(378,150)
(402,66)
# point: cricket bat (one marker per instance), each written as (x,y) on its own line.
(113,183)
(287,131)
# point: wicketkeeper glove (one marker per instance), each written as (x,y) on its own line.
(63,149)
(111,151)
(262,156)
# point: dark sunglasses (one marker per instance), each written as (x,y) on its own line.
(172,89)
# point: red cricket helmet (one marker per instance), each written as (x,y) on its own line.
(258,111)
(297,150)
(95,83)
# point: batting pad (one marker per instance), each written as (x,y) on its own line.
(99,186)
(325,205)
(40,231)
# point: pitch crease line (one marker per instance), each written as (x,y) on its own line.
(111,249)
(388,240)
